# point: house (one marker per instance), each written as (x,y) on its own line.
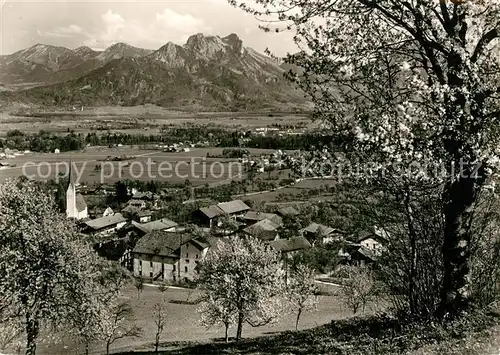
(206,216)
(147,196)
(372,241)
(265,230)
(163,224)
(291,245)
(105,226)
(287,211)
(362,256)
(167,256)
(108,212)
(144,216)
(57,151)
(130,211)
(235,208)
(140,204)
(252,217)
(320,233)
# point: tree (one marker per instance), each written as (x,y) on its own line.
(358,288)
(10,334)
(121,191)
(240,278)
(301,290)
(409,84)
(139,285)
(160,319)
(51,274)
(119,324)
(227,224)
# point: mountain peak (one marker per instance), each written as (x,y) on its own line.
(214,46)
(235,43)
(123,50)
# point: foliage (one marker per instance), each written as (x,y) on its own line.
(381,334)
(42,142)
(323,258)
(301,291)
(160,319)
(415,85)
(241,280)
(119,324)
(51,275)
(358,288)
(139,285)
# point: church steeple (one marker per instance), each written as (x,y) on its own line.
(71,211)
(75,203)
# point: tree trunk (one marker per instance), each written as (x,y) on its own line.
(227,330)
(107,348)
(157,340)
(459,197)
(32,328)
(87,348)
(240,326)
(297,320)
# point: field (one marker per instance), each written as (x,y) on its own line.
(183,321)
(293,192)
(145,119)
(146,165)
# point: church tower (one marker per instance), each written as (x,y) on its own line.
(75,203)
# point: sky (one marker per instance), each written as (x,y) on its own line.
(146,24)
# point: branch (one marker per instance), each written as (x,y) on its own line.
(483,42)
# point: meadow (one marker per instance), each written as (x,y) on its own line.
(137,119)
(140,164)
(183,321)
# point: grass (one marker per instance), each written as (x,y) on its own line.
(183,322)
(146,116)
(379,334)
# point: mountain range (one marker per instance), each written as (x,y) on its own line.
(207,72)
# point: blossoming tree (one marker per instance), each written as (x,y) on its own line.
(50,276)
(415,82)
(241,281)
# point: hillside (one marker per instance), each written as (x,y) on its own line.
(207,72)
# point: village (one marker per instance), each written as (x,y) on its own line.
(165,251)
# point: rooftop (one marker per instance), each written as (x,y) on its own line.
(161,243)
(160,224)
(288,211)
(233,206)
(265,230)
(320,229)
(259,216)
(292,244)
(103,222)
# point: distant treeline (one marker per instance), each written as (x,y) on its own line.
(215,137)
(42,141)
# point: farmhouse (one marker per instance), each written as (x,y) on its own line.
(373,242)
(265,230)
(167,256)
(235,208)
(252,217)
(291,245)
(287,211)
(144,216)
(320,233)
(163,224)
(205,216)
(140,204)
(107,225)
